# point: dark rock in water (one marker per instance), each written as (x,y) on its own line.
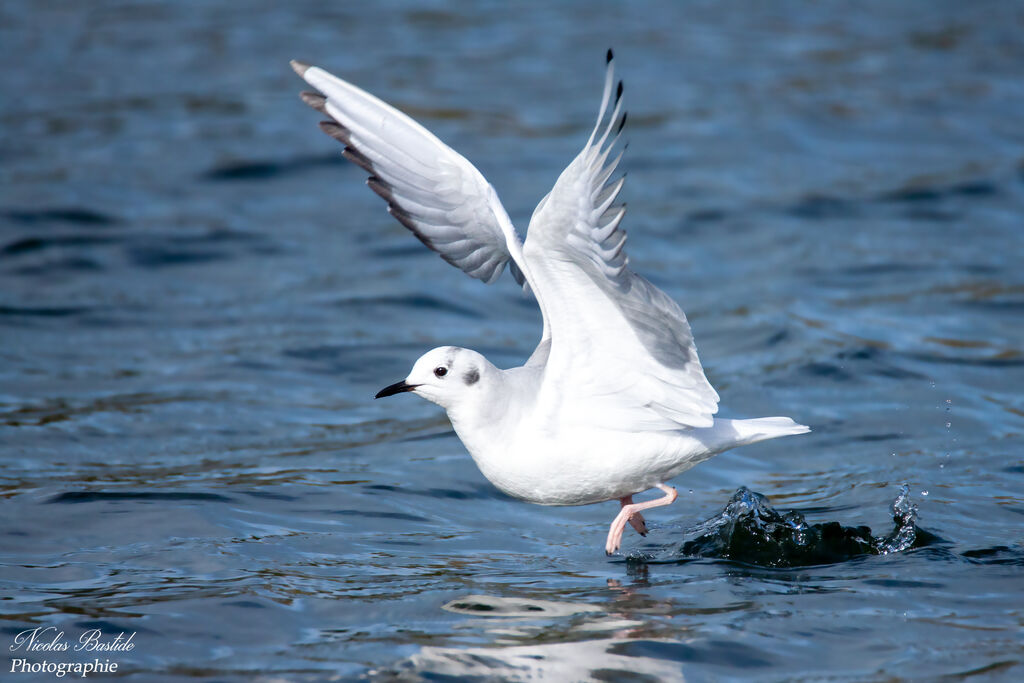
(751,531)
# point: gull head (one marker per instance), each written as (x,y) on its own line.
(447,376)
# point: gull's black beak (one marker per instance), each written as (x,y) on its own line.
(396,388)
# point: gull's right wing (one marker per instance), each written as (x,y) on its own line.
(430,188)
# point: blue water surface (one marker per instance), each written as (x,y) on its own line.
(199,298)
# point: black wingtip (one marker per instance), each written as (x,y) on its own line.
(618,92)
(608,57)
(336,131)
(315,100)
(358,158)
(379,187)
(622,123)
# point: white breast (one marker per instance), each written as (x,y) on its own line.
(578,467)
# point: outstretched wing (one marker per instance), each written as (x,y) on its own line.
(621,349)
(430,188)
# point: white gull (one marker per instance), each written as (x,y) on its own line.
(614,400)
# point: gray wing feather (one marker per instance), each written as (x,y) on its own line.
(429,188)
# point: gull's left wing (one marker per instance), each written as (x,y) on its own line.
(429,187)
(620,348)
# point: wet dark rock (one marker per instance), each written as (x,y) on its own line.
(751,531)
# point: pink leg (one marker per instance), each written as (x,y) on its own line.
(637,520)
(629,509)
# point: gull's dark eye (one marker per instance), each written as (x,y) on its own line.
(441,371)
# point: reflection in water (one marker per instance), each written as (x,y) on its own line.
(493,606)
(585,660)
(556,640)
(531,644)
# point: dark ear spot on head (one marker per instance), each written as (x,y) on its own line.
(471,377)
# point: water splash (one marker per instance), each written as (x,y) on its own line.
(904,514)
(751,531)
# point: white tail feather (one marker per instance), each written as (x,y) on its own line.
(761,428)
